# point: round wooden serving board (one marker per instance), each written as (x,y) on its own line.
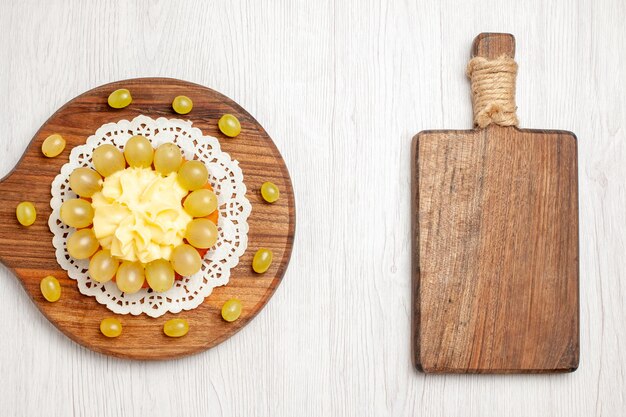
(28,251)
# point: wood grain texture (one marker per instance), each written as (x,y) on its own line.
(28,251)
(495,231)
(497,278)
(341,87)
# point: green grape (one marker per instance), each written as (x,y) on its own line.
(176,327)
(262,260)
(120,98)
(50,288)
(193,175)
(160,275)
(270,192)
(186,260)
(201,233)
(231,310)
(201,203)
(103,266)
(130,277)
(167,158)
(182,104)
(77,213)
(53,145)
(107,159)
(26,213)
(85,182)
(139,152)
(111,327)
(229,125)
(82,244)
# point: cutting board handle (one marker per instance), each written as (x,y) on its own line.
(494,45)
(492,71)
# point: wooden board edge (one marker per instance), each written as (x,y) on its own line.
(575,360)
(462,371)
(415,266)
(572,363)
(521,130)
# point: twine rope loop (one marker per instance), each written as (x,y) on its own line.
(493,90)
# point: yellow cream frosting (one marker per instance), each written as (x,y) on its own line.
(138,215)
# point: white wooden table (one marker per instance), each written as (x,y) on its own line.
(341,86)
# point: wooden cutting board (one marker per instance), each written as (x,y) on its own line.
(495,246)
(28,251)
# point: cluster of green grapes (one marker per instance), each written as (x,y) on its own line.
(130,276)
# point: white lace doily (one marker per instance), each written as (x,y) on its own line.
(227,180)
